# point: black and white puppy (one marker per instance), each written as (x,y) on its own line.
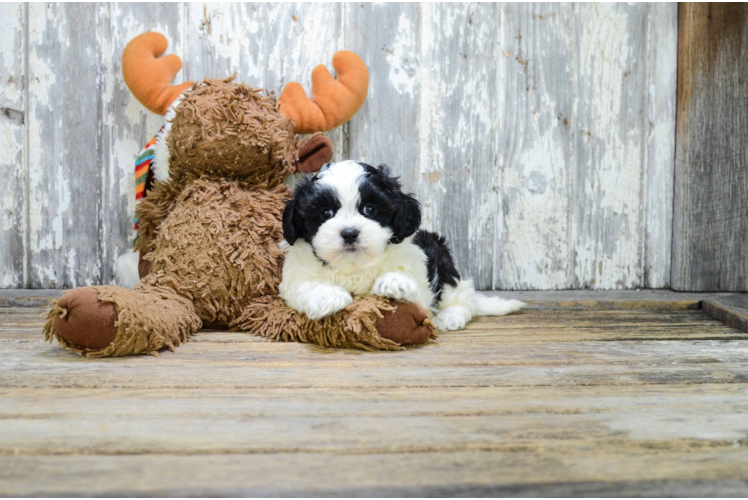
(353,231)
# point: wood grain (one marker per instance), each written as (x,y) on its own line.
(576,148)
(412,474)
(534,146)
(160,422)
(731,310)
(662,43)
(12,166)
(606,227)
(456,131)
(627,400)
(711,176)
(65,173)
(386,129)
(532,349)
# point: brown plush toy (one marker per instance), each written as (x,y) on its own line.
(210,225)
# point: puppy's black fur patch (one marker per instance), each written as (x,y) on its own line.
(394,209)
(304,213)
(440,266)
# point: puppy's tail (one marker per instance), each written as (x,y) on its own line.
(495,306)
(459,304)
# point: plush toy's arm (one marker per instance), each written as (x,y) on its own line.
(371,323)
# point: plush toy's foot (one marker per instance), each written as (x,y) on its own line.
(355,326)
(113,321)
(84,321)
(407,324)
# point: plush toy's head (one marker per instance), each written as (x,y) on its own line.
(220,128)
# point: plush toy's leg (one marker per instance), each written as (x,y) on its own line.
(370,323)
(112,321)
(407,324)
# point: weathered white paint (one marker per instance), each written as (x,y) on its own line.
(12,199)
(536,64)
(538,137)
(63,145)
(662,36)
(574,129)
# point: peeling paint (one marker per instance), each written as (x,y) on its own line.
(660,146)
(11,39)
(11,146)
(538,141)
(403,72)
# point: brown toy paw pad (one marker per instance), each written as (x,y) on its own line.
(88,322)
(405,325)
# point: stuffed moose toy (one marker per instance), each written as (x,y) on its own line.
(210,219)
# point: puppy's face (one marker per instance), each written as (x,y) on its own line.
(349,212)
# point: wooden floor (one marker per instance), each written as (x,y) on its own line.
(580,397)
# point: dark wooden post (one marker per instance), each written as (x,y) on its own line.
(710,227)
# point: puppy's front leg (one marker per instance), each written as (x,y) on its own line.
(397,286)
(317,299)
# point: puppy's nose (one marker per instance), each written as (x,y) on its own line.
(349,235)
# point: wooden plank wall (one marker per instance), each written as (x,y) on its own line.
(539,137)
(13,196)
(711,181)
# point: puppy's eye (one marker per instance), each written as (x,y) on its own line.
(369,210)
(328,213)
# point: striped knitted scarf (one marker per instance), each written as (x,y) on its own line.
(144,176)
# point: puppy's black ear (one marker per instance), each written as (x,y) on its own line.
(293,229)
(407,218)
(384,170)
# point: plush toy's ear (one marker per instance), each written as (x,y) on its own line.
(313,153)
(293,229)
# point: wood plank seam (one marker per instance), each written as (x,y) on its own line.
(731,317)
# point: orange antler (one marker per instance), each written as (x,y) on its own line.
(149,76)
(333,102)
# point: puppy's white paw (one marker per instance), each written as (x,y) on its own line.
(452,318)
(396,286)
(327,301)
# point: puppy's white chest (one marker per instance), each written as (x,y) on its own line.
(357,282)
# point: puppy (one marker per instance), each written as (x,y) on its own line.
(352,230)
